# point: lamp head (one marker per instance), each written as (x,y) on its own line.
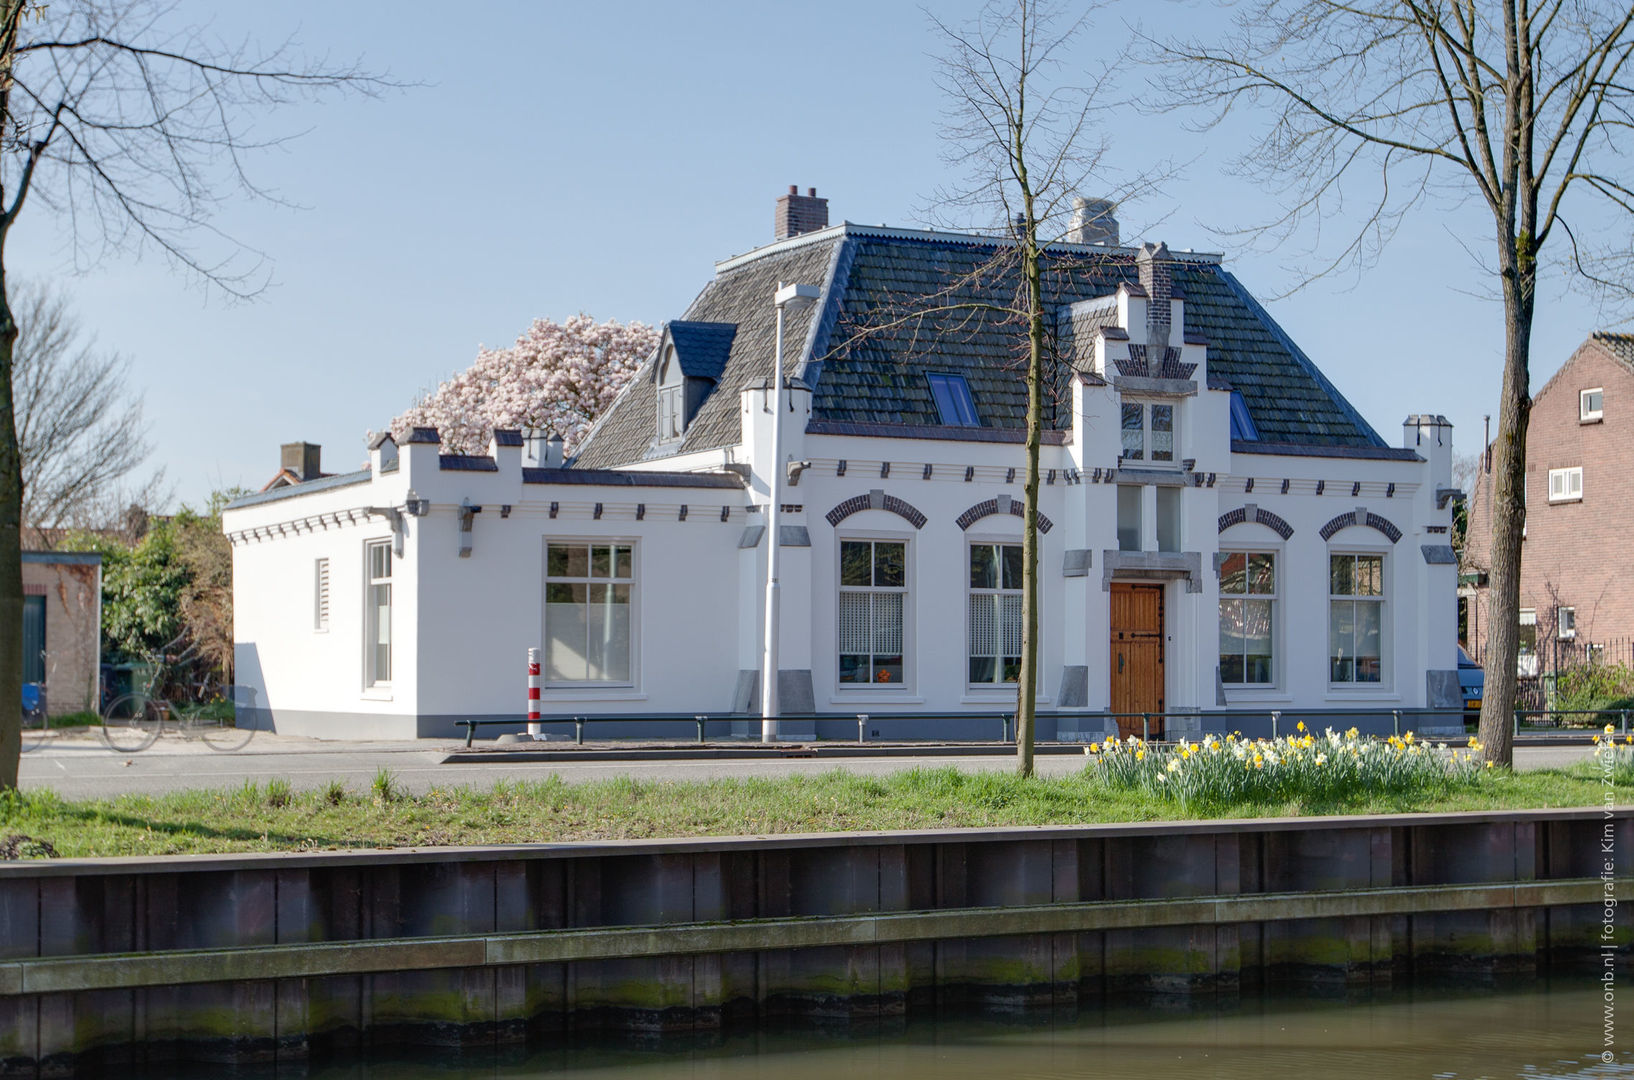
(796,296)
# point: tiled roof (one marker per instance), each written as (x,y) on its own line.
(1619,345)
(702,348)
(897,304)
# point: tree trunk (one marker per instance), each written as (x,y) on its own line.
(1508,514)
(11,559)
(1027,683)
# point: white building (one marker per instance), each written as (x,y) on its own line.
(1223,533)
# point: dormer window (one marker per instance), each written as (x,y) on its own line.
(1148,432)
(953,401)
(671,398)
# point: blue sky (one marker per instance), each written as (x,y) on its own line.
(601,157)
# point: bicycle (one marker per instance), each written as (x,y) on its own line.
(134,722)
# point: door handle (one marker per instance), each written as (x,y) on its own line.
(1120,663)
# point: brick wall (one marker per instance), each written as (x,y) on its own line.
(73,613)
(1575,553)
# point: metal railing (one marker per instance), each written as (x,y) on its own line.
(1149,726)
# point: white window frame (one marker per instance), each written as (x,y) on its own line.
(671,413)
(1568,479)
(320,595)
(371,615)
(998,682)
(1275,597)
(1585,414)
(1526,660)
(633,581)
(1386,668)
(1146,461)
(1565,622)
(908,590)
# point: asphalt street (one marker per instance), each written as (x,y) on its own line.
(81,767)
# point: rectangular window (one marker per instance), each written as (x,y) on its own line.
(1128,517)
(1168,519)
(34,639)
(995,614)
(589,591)
(1566,622)
(953,401)
(1148,432)
(1356,618)
(671,414)
(377,620)
(873,607)
(1591,404)
(1248,593)
(1526,662)
(320,594)
(1566,485)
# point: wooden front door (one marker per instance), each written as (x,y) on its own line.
(1137,657)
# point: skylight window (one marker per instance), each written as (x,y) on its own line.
(953,400)
(1242,424)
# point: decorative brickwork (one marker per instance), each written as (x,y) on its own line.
(1262,516)
(858,503)
(1357,517)
(991,507)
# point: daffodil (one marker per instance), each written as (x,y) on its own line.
(1173,765)
(1611,728)
(1140,755)
(1300,726)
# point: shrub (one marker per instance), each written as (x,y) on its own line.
(385,786)
(277,793)
(1593,686)
(334,792)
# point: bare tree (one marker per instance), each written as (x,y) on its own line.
(133,135)
(79,425)
(1521,107)
(1025,146)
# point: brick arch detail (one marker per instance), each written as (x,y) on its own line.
(990,507)
(1262,516)
(877,500)
(1364,518)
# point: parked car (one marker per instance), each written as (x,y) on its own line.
(1471,683)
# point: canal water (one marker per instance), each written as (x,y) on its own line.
(1549,1030)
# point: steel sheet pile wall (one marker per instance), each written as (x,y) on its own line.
(256,958)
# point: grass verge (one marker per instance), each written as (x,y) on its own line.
(275,818)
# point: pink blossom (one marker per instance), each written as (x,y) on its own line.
(557,378)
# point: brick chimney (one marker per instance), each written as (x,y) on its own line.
(302,459)
(1157,278)
(1092,222)
(797,213)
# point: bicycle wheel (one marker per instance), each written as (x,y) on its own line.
(217,722)
(131,723)
(36,725)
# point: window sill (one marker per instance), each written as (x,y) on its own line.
(381,693)
(588,693)
(1383,693)
(872,697)
(1267,696)
(997,697)
(1566,499)
(1590,419)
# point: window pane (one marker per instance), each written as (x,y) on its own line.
(1012,566)
(1231,667)
(601,561)
(1370,575)
(1168,519)
(854,623)
(1261,574)
(984,626)
(854,669)
(379,561)
(1128,517)
(1012,669)
(1134,442)
(887,623)
(891,565)
(608,635)
(982,668)
(623,561)
(1369,654)
(556,556)
(1231,638)
(575,561)
(1257,641)
(1341,570)
(1341,637)
(566,619)
(856,561)
(1234,574)
(984,567)
(888,670)
(1162,432)
(1010,624)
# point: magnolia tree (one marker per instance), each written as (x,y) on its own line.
(557,378)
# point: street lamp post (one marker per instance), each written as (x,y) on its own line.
(787,296)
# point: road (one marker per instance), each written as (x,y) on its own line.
(82,767)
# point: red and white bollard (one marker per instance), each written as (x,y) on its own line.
(535,729)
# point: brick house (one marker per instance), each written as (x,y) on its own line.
(1577,583)
(62,627)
